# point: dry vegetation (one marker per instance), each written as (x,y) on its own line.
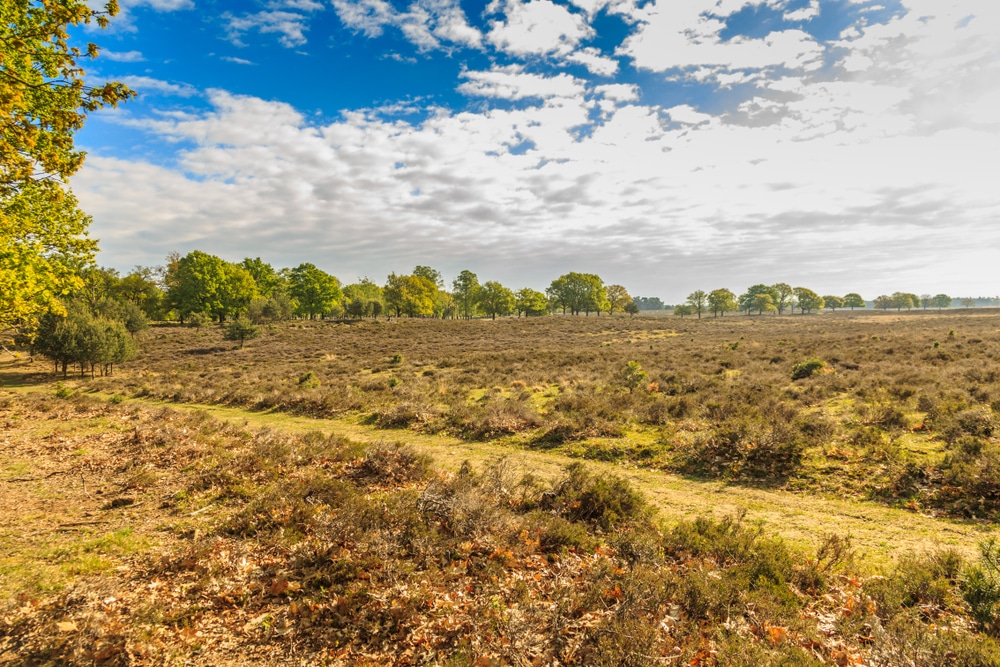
(902,408)
(150,536)
(144,535)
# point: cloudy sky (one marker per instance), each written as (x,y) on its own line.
(667,145)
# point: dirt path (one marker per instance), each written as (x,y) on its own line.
(878,532)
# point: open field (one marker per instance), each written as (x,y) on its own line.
(892,442)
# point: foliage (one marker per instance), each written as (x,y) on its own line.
(466,292)
(941,301)
(363,299)
(751,299)
(697,300)
(683,310)
(981,587)
(199,282)
(495,299)
(578,293)
(80,337)
(782,296)
(854,300)
(808,300)
(649,303)
(807,368)
(315,291)
(618,298)
(241,329)
(831,302)
(530,302)
(264,276)
(44,100)
(721,301)
(633,376)
(412,295)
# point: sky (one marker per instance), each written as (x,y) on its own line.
(666,145)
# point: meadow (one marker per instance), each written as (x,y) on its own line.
(565,490)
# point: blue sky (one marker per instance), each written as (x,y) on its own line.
(844,145)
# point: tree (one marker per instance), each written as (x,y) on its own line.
(203,283)
(315,290)
(363,299)
(942,301)
(80,337)
(632,308)
(831,302)
(44,100)
(748,300)
(698,300)
(430,274)
(683,310)
(412,295)
(854,300)
(264,275)
(884,302)
(530,302)
(900,300)
(782,296)
(465,289)
(721,301)
(495,299)
(968,302)
(649,303)
(808,300)
(241,330)
(763,303)
(578,292)
(617,298)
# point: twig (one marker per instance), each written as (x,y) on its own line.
(37,479)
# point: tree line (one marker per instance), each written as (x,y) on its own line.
(782,297)
(199,287)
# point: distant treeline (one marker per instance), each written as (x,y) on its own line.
(199,287)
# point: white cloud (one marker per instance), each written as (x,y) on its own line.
(238,61)
(146,85)
(621,92)
(428,24)
(678,35)
(289,26)
(537,27)
(513,83)
(122,56)
(807,13)
(594,60)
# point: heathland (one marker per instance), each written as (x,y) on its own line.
(807,489)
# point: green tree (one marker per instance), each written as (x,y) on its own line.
(411,295)
(632,308)
(808,300)
(363,299)
(782,296)
(465,289)
(530,302)
(721,301)
(264,275)
(748,301)
(578,293)
(203,283)
(618,297)
(884,302)
(241,330)
(968,302)
(315,291)
(900,300)
(831,302)
(495,299)
(854,300)
(44,100)
(698,300)
(763,303)
(683,310)
(942,301)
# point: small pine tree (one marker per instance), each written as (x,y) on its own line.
(241,330)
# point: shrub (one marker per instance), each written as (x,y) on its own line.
(309,380)
(807,368)
(633,376)
(603,501)
(981,587)
(241,330)
(199,320)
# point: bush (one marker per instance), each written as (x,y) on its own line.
(241,330)
(807,368)
(602,501)
(981,587)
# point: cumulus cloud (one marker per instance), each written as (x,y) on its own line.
(858,176)
(428,24)
(513,83)
(536,27)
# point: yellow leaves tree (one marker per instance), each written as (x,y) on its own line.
(44,100)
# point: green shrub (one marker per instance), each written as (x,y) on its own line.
(309,380)
(602,501)
(807,368)
(241,330)
(981,587)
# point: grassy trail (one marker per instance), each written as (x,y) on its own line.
(880,533)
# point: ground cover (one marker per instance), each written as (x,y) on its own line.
(146,534)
